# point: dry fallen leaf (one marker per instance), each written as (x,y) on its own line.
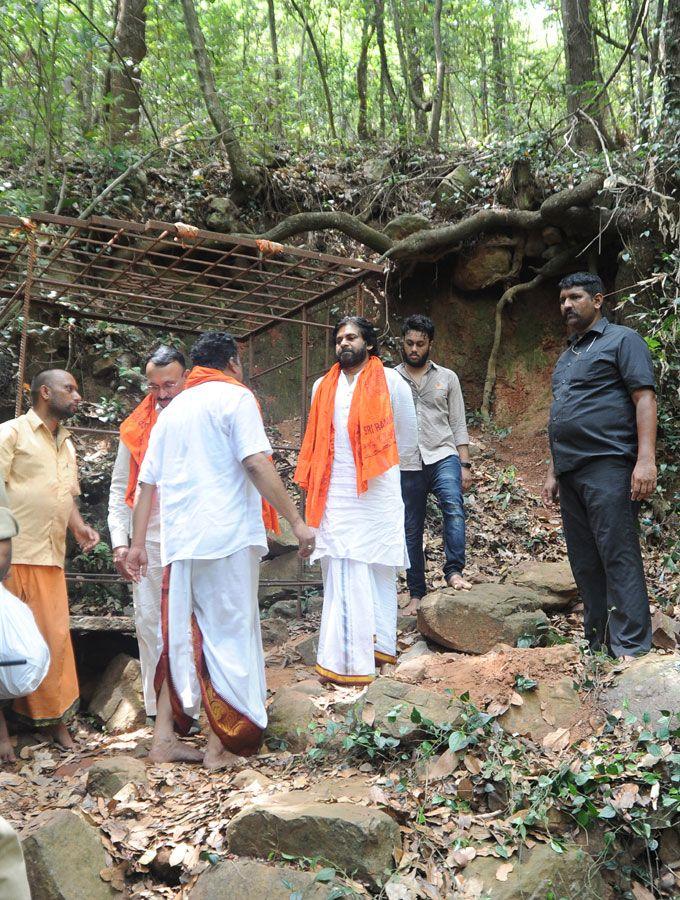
(557,740)
(463,856)
(368,714)
(503,871)
(625,796)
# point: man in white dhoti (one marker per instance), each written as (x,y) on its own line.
(362,419)
(209,457)
(165,374)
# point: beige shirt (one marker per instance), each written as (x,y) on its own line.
(8,524)
(440,411)
(41,476)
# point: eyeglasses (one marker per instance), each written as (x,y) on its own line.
(155,388)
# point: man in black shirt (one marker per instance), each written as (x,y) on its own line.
(602,439)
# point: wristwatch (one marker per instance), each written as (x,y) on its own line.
(466,465)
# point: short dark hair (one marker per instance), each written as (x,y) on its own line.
(42,378)
(368,331)
(423,324)
(591,283)
(214,349)
(164,355)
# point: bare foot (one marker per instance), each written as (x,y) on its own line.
(412,607)
(62,736)
(458,583)
(221,759)
(173,750)
(6,748)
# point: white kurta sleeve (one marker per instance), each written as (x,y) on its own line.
(120,514)
(404,410)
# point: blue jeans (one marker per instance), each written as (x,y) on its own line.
(444,480)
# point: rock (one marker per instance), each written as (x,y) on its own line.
(475,621)
(538,873)
(244,878)
(64,858)
(274,632)
(223,215)
(487,263)
(384,694)
(648,685)
(283,609)
(452,193)
(288,718)
(419,649)
(307,649)
(107,776)
(407,623)
(118,700)
(359,840)
(560,703)
(553,580)
(285,542)
(376,169)
(405,224)
(105,365)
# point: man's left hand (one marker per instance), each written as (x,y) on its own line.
(642,481)
(87,538)
(466,479)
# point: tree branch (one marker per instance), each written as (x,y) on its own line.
(330,221)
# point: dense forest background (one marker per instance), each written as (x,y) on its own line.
(483,149)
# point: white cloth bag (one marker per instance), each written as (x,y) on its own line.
(20,639)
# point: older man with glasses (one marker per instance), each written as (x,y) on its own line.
(165,377)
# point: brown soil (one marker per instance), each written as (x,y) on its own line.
(492,677)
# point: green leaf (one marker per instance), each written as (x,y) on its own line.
(457,741)
(415,716)
(325,875)
(607,812)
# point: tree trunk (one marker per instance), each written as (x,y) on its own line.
(500,80)
(580,69)
(320,65)
(384,68)
(278,78)
(671,72)
(244,178)
(439,87)
(367,29)
(129,41)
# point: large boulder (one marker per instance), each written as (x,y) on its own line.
(545,709)
(107,776)
(477,620)
(244,878)
(386,695)
(534,875)
(487,263)
(284,567)
(63,860)
(554,581)
(118,700)
(284,542)
(646,685)
(405,224)
(274,632)
(288,718)
(376,169)
(453,191)
(307,649)
(359,840)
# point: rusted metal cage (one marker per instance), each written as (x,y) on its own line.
(171,277)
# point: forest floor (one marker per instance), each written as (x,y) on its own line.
(162,832)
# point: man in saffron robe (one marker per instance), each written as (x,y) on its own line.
(209,457)
(38,465)
(362,418)
(165,375)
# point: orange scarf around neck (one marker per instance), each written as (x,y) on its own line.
(202,374)
(371,434)
(135,432)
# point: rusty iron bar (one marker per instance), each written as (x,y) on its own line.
(360,299)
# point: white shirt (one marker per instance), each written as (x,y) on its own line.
(120,514)
(209,507)
(368,527)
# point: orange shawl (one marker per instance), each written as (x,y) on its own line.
(201,374)
(135,432)
(371,434)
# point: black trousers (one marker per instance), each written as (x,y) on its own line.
(601,530)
